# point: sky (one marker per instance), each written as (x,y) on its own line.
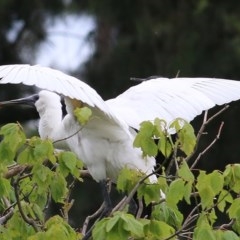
(66,46)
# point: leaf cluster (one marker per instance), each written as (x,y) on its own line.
(31,174)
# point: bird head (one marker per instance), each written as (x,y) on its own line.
(41,101)
(31,100)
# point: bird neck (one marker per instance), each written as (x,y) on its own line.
(50,121)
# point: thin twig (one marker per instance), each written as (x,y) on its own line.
(140,208)
(227,225)
(208,147)
(90,217)
(8,212)
(206,121)
(25,217)
(119,204)
(66,138)
(6,217)
(173,160)
(133,191)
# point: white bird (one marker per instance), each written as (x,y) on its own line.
(105,143)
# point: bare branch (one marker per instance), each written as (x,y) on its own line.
(209,146)
(6,217)
(8,213)
(24,216)
(89,218)
(14,170)
(206,121)
(227,225)
(140,208)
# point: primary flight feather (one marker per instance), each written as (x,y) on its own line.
(105,143)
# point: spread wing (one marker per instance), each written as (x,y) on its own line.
(57,81)
(171,98)
(52,80)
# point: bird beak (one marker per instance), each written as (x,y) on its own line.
(27,101)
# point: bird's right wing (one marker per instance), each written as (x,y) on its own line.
(63,84)
(169,99)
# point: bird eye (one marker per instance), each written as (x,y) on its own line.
(35,97)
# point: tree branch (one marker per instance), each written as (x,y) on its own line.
(208,147)
(206,121)
(25,217)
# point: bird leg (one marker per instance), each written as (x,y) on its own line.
(106,198)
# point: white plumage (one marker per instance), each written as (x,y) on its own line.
(105,143)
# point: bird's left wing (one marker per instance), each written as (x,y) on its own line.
(169,99)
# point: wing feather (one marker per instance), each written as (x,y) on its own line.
(171,98)
(56,81)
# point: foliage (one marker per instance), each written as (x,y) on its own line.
(32,173)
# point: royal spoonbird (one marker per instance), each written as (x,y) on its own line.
(105,143)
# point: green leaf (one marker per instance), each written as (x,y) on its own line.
(37,150)
(171,216)
(26,156)
(58,186)
(110,224)
(127,179)
(185,173)
(99,231)
(144,139)
(164,143)
(158,230)
(204,232)
(203,229)
(234,209)
(224,197)
(57,228)
(149,147)
(5,188)
(162,182)
(226,235)
(41,175)
(44,150)
(38,211)
(186,135)
(68,163)
(131,225)
(13,135)
(209,185)
(83,114)
(147,129)
(188,191)
(13,140)
(175,193)
(165,147)
(150,192)
(17,228)
(232,177)
(120,226)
